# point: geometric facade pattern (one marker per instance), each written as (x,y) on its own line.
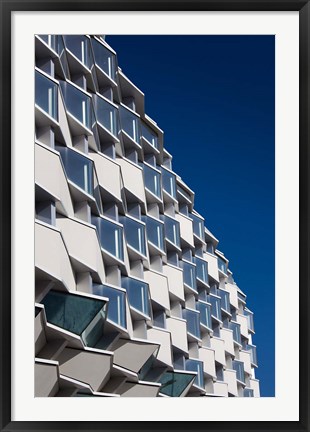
(133,297)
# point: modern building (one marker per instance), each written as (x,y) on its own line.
(133,297)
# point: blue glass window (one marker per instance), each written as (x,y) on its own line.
(79,46)
(198,226)
(50,40)
(192,322)
(152,180)
(107,115)
(134,233)
(46,95)
(215,306)
(225,303)
(169,182)
(111,236)
(247,392)
(155,231)
(205,314)
(116,305)
(149,135)
(130,123)
(196,366)
(172,230)
(202,270)
(105,59)
(77,103)
(189,274)
(222,265)
(252,350)
(235,327)
(238,366)
(138,294)
(79,169)
(250,319)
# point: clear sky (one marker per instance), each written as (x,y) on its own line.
(213,96)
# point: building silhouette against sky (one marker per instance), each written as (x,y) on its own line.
(133,295)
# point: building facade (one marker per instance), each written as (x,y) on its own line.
(132,296)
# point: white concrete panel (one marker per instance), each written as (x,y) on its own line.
(164,338)
(133,178)
(49,174)
(83,246)
(230,379)
(53,259)
(158,284)
(245,357)
(220,389)
(227,336)
(89,367)
(63,121)
(186,228)
(175,281)
(218,346)
(242,320)
(177,328)
(233,294)
(212,265)
(132,354)
(254,384)
(109,174)
(207,355)
(138,390)
(39,333)
(46,380)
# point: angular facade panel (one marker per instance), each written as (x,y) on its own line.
(134,298)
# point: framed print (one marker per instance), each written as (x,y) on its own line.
(154,215)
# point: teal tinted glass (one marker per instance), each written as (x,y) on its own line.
(71,312)
(174,383)
(46,95)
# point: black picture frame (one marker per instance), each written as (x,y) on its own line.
(7,7)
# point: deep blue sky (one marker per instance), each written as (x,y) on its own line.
(213,96)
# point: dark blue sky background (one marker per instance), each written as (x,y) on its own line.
(213,96)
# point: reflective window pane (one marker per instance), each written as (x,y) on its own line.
(130,123)
(235,327)
(155,231)
(247,392)
(149,135)
(222,265)
(215,306)
(152,180)
(111,236)
(116,305)
(104,59)
(172,230)
(205,314)
(225,304)
(71,312)
(46,95)
(79,169)
(135,234)
(189,274)
(107,115)
(250,319)
(50,40)
(174,383)
(238,366)
(196,366)
(192,322)
(77,103)
(138,294)
(202,270)
(79,46)
(198,226)
(169,182)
